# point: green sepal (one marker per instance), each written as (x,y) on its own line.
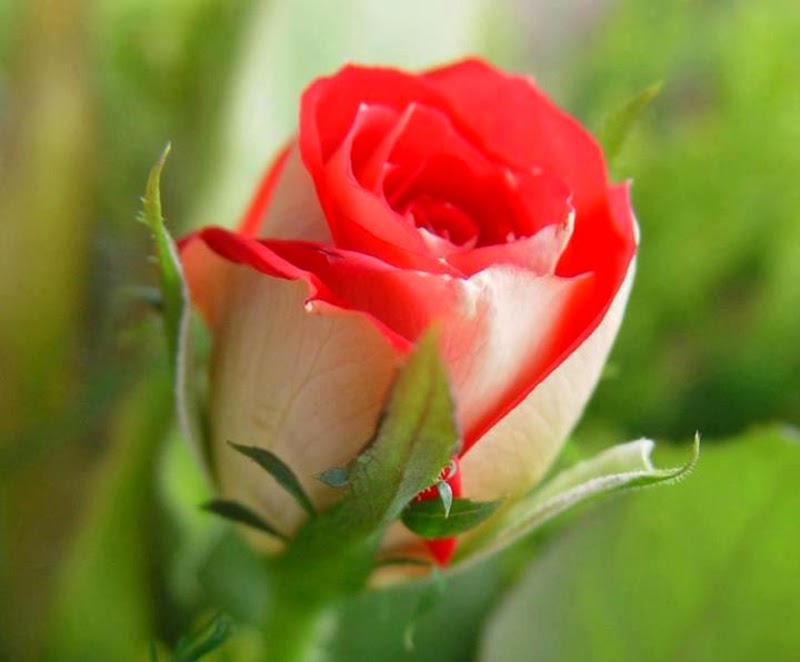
(623,467)
(280,471)
(417,436)
(430,519)
(176,310)
(236,512)
(333,477)
(617,125)
(174,293)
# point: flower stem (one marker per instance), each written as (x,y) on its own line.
(300,618)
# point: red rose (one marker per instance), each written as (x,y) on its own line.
(461,195)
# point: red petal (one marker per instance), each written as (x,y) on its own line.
(511,118)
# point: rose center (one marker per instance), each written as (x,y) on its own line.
(443,219)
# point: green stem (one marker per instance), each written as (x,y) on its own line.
(299,620)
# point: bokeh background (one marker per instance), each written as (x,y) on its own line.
(102,546)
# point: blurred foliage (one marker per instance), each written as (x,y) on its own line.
(710,338)
(670,574)
(89,94)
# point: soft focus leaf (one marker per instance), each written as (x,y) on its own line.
(207,640)
(281,472)
(430,518)
(105,588)
(432,596)
(708,570)
(626,466)
(445,627)
(618,125)
(236,512)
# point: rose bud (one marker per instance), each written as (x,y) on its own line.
(462,197)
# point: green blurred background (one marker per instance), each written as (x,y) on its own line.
(102,549)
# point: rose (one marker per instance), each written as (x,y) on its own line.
(461,196)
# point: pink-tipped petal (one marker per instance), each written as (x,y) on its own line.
(513,455)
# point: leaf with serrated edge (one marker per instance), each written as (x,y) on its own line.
(236,512)
(617,125)
(623,467)
(176,308)
(280,471)
(430,520)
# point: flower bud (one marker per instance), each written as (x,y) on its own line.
(460,197)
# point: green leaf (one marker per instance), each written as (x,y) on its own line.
(431,520)
(708,570)
(617,126)
(176,310)
(280,471)
(106,585)
(236,512)
(333,477)
(623,467)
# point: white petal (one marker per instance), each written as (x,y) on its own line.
(308,387)
(512,457)
(294,211)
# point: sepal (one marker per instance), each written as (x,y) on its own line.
(617,125)
(431,519)
(175,307)
(236,512)
(280,471)
(623,467)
